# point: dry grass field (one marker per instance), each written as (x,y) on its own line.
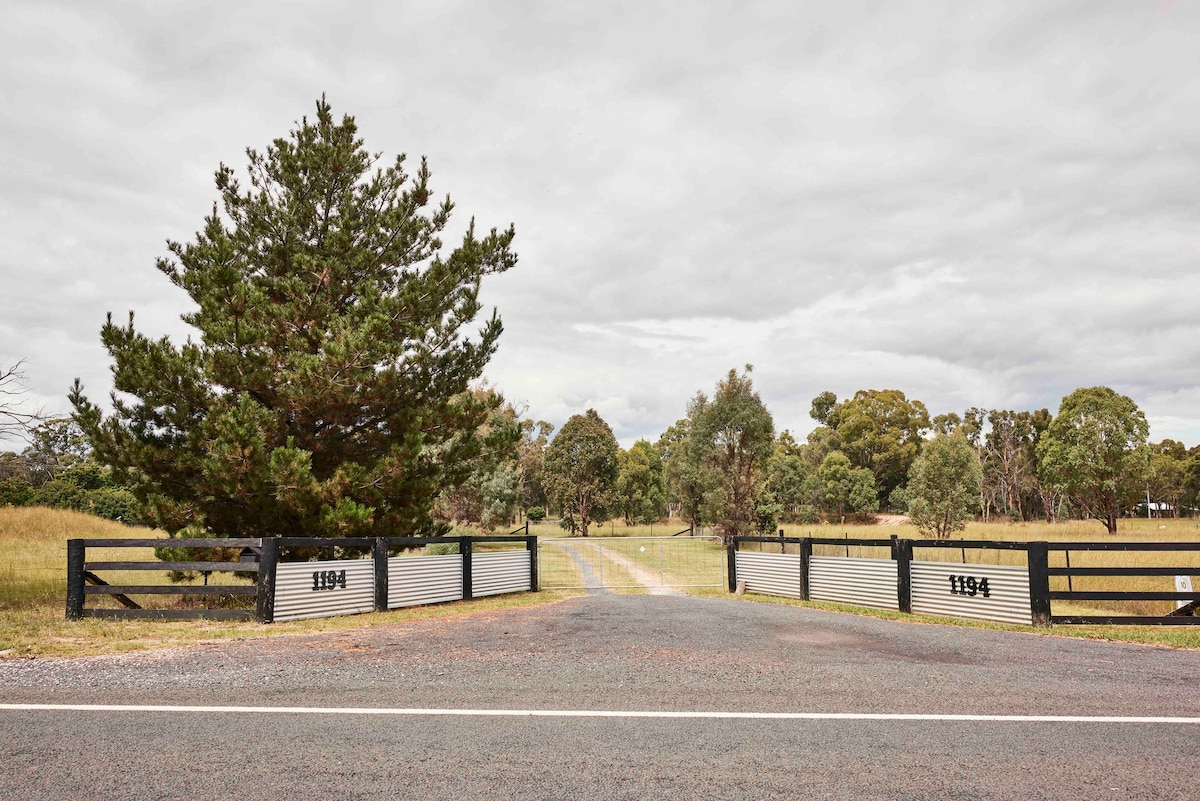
(33,558)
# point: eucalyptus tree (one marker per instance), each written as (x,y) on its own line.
(687,484)
(787,472)
(844,488)
(731,440)
(1166,482)
(324,391)
(877,429)
(1095,451)
(882,430)
(641,494)
(580,471)
(489,495)
(943,485)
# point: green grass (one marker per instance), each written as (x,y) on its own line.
(556,568)
(683,561)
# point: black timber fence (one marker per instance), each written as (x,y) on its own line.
(1036,561)
(260,559)
(1184,615)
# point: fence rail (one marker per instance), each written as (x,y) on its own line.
(1019,593)
(1184,615)
(290,590)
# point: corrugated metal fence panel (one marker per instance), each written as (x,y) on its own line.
(1008,591)
(295,598)
(416,580)
(850,580)
(769,573)
(496,572)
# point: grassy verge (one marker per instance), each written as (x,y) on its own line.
(43,631)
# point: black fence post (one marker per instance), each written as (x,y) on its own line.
(805,560)
(464,548)
(532,546)
(731,556)
(902,551)
(379,554)
(264,611)
(75,563)
(1039,582)
(782,545)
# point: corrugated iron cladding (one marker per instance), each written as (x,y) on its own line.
(850,580)
(419,580)
(1008,592)
(295,598)
(497,572)
(769,573)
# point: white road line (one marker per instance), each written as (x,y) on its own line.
(588,713)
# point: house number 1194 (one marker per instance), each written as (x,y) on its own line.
(969,585)
(328,579)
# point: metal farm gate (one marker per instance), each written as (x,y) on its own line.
(631,562)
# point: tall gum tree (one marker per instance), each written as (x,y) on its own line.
(731,440)
(641,495)
(882,430)
(325,390)
(943,485)
(1095,451)
(580,471)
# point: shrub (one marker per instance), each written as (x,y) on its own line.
(808,514)
(114,503)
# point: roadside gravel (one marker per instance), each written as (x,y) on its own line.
(642,652)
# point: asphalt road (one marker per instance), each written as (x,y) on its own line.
(612,653)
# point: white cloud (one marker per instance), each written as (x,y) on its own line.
(980,205)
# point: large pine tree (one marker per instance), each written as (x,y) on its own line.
(326,393)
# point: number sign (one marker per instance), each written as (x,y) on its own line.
(328,580)
(982,592)
(320,589)
(969,585)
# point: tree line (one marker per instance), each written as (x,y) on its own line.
(723,465)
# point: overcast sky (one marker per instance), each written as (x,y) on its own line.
(980,204)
